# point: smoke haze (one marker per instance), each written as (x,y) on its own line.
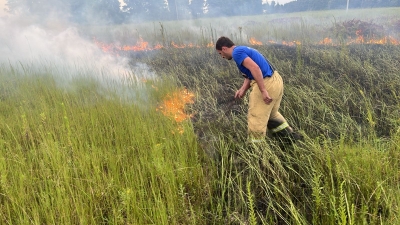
(57,44)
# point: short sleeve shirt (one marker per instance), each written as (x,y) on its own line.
(241,52)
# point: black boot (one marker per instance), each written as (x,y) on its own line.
(283,132)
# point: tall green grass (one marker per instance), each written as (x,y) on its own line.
(82,153)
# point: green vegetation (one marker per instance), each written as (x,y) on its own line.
(78,154)
(82,152)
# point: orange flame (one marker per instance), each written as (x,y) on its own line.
(140,46)
(103,46)
(144,45)
(174,105)
(326,41)
(384,40)
(362,40)
(291,43)
(393,41)
(253,41)
(360,37)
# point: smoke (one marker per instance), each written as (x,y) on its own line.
(60,46)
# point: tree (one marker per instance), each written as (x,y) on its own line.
(134,9)
(41,8)
(196,8)
(216,8)
(234,7)
(94,11)
(250,7)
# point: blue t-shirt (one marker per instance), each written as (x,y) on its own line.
(241,52)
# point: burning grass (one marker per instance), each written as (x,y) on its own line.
(355,28)
(174,105)
(348,32)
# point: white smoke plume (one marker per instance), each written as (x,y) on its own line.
(63,47)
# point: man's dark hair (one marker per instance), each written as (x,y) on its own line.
(223,42)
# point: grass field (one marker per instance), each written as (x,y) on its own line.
(171,149)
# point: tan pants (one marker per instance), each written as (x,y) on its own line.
(259,113)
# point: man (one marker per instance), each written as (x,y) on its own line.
(266,94)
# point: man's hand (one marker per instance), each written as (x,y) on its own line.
(240,93)
(267,99)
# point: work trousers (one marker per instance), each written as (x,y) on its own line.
(259,112)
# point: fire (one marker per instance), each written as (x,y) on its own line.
(177,46)
(103,46)
(190,45)
(360,37)
(174,105)
(326,41)
(253,41)
(142,45)
(381,41)
(393,41)
(139,46)
(362,40)
(291,43)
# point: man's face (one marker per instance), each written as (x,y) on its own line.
(224,52)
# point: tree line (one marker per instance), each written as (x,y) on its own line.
(308,5)
(114,11)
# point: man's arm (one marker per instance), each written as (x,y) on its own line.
(258,77)
(242,91)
